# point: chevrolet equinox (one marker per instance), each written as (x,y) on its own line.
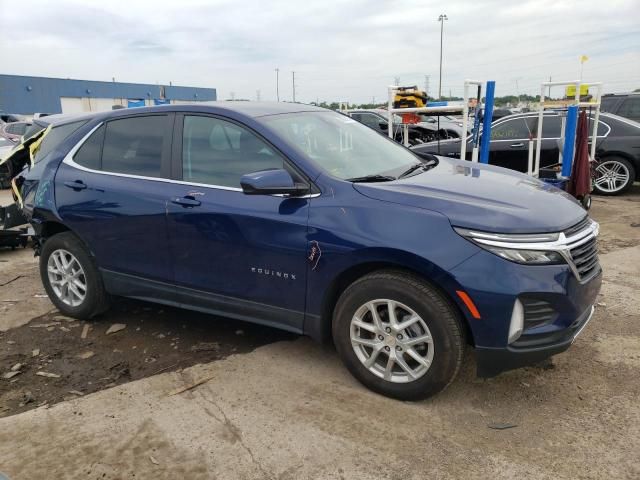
(306,220)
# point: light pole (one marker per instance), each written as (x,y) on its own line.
(441,19)
(278,84)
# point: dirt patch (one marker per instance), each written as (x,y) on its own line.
(54,362)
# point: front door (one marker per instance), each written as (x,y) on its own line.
(241,255)
(509,144)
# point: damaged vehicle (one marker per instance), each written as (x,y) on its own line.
(303,219)
(377,120)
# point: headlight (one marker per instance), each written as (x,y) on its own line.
(530,249)
(528,256)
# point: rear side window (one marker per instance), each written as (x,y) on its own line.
(630,108)
(56,136)
(91,150)
(134,146)
(608,104)
(217,152)
(16,128)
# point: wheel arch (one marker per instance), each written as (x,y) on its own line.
(341,282)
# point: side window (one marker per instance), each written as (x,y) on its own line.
(630,108)
(134,145)
(217,152)
(551,126)
(372,121)
(17,128)
(608,104)
(515,129)
(89,153)
(52,139)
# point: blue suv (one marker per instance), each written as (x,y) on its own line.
(304,219)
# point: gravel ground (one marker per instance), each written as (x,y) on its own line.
(273,405)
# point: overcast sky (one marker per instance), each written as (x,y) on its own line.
(346,50)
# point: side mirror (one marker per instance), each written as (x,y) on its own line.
(383,125)
(272,182)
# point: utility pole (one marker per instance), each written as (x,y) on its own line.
(549,94)
(396,81)
(257,95)
(233,95)
(442,18)
(293,85)
(426,84)
(278,84)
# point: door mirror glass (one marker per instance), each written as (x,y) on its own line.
(272,182)
(383,125)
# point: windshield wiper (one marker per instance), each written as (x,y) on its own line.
(413,168)
(423,165)
(372,178)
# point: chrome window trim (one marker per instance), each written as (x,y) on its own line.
(535,115)
(563,244)
(68,160)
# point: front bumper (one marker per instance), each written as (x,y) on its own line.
(492,361)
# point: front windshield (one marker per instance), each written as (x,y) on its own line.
(340,145)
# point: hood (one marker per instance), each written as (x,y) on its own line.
(482,197)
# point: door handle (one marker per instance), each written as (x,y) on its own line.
(186,201)
(77,185)
(517,145)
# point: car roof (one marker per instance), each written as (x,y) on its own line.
(251,109)
(604,116)
(63,118)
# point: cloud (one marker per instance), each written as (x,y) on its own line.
(340,50)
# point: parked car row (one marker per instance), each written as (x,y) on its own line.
(617,147)
(299,218)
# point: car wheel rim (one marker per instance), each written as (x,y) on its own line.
(392,341)
(611,176)
(66,277)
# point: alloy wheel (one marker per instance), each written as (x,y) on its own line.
(611,176)
(392,341)
(67,277)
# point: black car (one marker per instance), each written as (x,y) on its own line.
(625,105)
(617,152)
(417,133)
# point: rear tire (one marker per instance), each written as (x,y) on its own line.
(71,277)
(423,335)
(613,175)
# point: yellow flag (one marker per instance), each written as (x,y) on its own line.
(583,58)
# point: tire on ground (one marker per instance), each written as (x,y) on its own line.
(96,300)
(632,175)
(439,314)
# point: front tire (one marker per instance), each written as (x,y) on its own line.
(398,335)
(71,278)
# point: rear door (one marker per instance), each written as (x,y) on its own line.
(240,255)
(112,192)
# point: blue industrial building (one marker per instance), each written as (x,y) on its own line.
(28,95)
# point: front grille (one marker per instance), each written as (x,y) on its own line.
(585,258)
(537,313)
